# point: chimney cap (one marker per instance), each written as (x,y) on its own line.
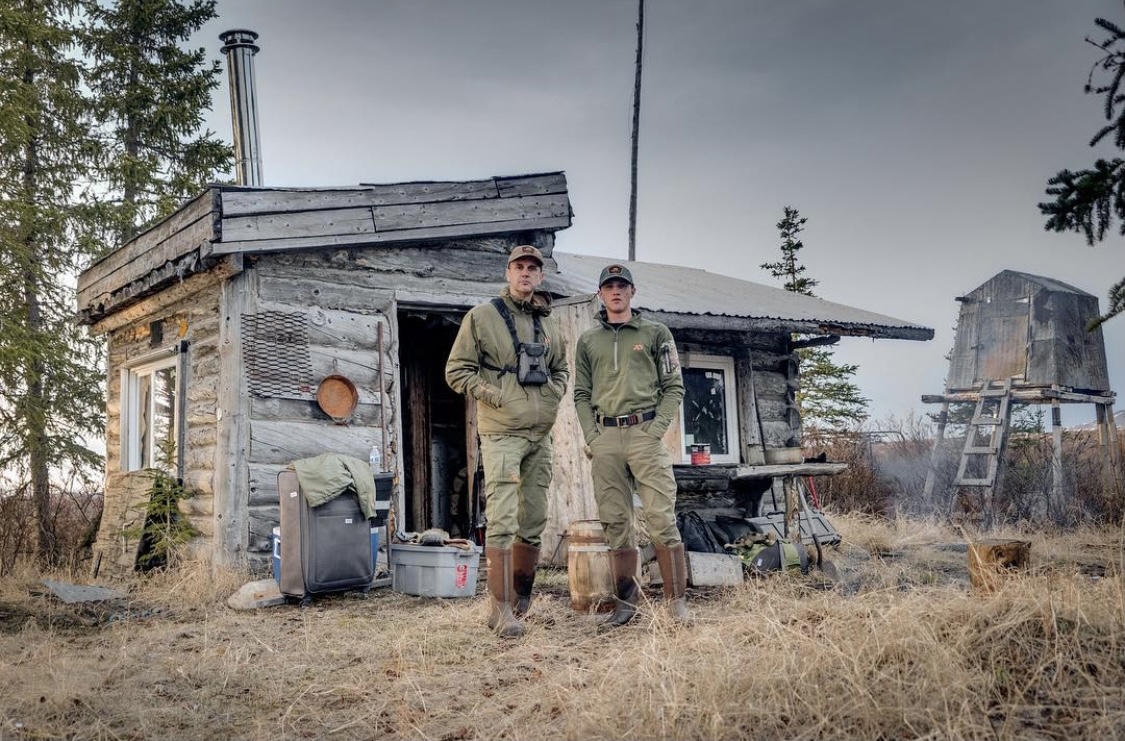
(239,37)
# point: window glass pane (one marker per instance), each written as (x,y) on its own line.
(163,417)
(144,423)
(705,412)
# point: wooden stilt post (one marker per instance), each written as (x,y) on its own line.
(1104,449)
(935,454)
(1114,451)
(1056,454)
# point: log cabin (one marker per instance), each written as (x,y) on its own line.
(222,320)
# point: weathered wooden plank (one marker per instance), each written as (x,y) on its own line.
(430,215)
(299,224)
(749,429)
(405,235)
(430,263)
(524,185)
(365,415)
(284,441)
(260,522)
(794,469)
(364,291)
(179,244)
(191,287)
(331,327)
(361,367)
(244,202)
(263,483)
(127,497)
(770,383)
(1031,395)
(772,326)
(194,210)
(571,495)
(233,444)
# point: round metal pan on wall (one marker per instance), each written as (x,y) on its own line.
(337,397)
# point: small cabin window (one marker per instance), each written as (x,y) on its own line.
(709,413)
(150,412)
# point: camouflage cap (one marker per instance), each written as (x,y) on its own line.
(525,250)
(615,271)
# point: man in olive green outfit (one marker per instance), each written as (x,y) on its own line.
(627,388)
(509,356)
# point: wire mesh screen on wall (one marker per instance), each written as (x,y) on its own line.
(275,347)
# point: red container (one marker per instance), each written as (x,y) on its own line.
(700,455)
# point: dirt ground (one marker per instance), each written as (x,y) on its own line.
(899,647)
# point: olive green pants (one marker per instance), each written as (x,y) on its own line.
(622,457)
(517,474)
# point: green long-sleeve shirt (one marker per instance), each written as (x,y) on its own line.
(628,369)
(505,407)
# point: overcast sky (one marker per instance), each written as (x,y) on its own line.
(916,137)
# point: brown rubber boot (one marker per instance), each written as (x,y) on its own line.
(500,617)
(673,572)
(524,559)
(623,564)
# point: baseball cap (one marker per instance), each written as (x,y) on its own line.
(619,272)
(525,250)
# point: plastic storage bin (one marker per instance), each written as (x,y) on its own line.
(434,571)
(275,537)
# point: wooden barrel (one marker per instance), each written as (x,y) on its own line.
(588,567)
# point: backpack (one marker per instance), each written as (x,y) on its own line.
(762,554)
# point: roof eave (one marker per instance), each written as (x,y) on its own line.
(769,324)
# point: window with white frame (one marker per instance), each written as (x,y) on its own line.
(709,413)
(150,412)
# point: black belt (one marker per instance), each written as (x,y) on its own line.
(629,419)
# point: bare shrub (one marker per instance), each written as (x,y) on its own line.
(75,513)
(888,464)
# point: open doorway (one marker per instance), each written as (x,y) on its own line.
(433,424)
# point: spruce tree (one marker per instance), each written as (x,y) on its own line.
(50,383)
(151,95)
(1088,201)
(827,397)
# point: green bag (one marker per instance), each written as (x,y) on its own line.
(774,555)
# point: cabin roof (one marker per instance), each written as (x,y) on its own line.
(693,295)
(1051,284)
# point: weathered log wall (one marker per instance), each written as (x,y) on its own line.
(193,318)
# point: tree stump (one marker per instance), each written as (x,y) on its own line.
(991,560)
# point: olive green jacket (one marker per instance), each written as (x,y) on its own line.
(633,368)
(506,407)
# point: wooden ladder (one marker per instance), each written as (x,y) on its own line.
(994,412)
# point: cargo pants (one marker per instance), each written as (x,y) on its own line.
(622,456)
(517,474)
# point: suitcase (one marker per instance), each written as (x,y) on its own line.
(323,549)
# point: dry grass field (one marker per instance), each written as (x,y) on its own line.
(900,649)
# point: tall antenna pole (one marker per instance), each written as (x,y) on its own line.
(636,131)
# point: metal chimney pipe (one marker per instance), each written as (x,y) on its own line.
(239,47)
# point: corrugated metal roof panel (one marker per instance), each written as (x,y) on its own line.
(680,290)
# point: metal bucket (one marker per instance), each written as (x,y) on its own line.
(588,567)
